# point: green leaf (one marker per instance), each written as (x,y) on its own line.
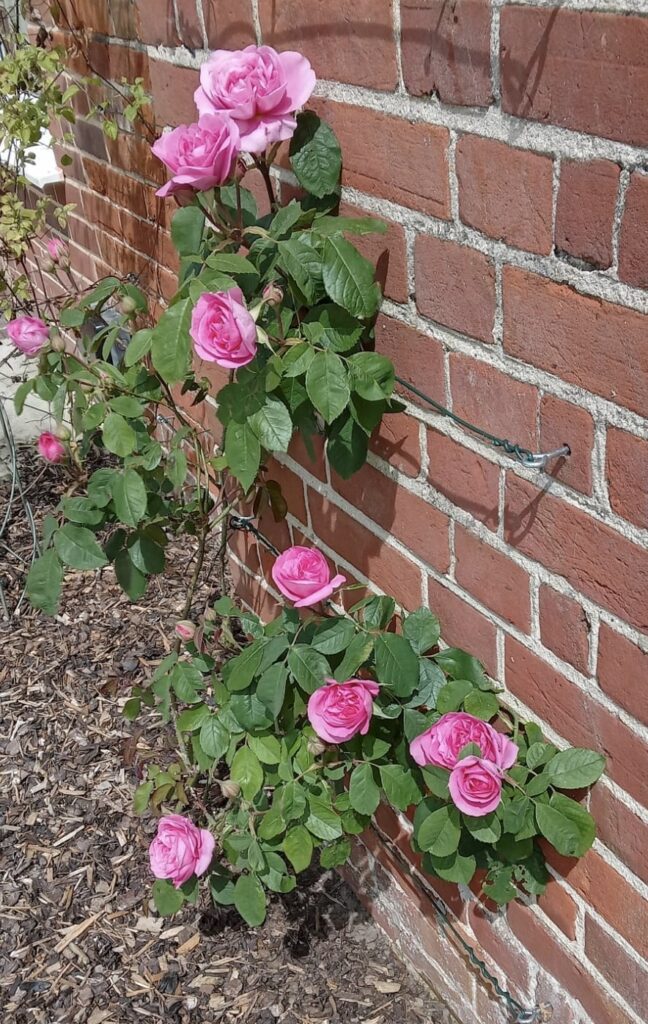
(145,554)
(372,376)
(309,667)
(78,548)
(482,704)
(248,711)
(315,155)
(454,868)
(271,824)
(231,263)
(250,900)
(266,748)
(401,788)
(539,753)
(346,447)
(23,391)
(303,264)
(333,636)
(214,737)
(193,718)
(273,426)
(356,654)
(436,780)
(118,435)
(247,771)
(452,695)
(486,828)
(187,228)
(575,768)
(170,342)
(351,225)
(349,278)
(499,886)
(138,347)
(422,629)
(566,825)
(363,791)
(327,385)
(127,406)
(336,854)
(332,327)
(298,847)
(396,664)
(459,665)
(431,682)
(439,832)
(243,452)
(72,317)
(141,797)
(129,497)
(271,688)
(322,820)
(44,581)
(187,682)
(168,900)
(239,672)
(130,579)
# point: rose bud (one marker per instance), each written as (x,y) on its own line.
(50,448)
(230,789)
(315,746)
(57,343)
(273,294)
(185,630)
(128,305)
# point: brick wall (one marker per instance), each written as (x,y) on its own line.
(504,144)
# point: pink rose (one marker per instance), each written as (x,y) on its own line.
(50,447)
(180,850)
(338,711)
(28,333)
(199,156)
(223,330)
(56,248)
(442,743)
(303,576)
(185,630)
(475,786)
(259,88)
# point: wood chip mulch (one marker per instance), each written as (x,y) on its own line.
(80,943)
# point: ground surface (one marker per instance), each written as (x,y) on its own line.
(79,941)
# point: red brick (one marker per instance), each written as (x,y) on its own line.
(419,526)
(446,50)
(633,261)
(467,479)
(493,579)
(157,22)
(381,564)
(408,166)
(585,210)
(417,357)
(628,978)
(557,904)
(614,898)
(578,69)
(563,423)
(564,628)
(623,831)
(455,286)
(627,459)
(125,19)
(505,192)
(315,463)
(397,441)
(229,24)
(491,400)
(573,714)
(247,590)
(463,626)
(567,970)
(505,959)
(173,89)
(292,488)
(597,345)
(601,563)
(622,671)
(347,43)
(115,62)
(387,252)
(92,15)
(189,26)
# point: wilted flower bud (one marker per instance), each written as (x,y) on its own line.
(128,305)
(241,169)
(315,746)
(56,341)
(272,294)
(210,615)
(63,432)
(57,250)
(185,630)
(47,264)
(230,789)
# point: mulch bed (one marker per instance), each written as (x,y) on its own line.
(79,939)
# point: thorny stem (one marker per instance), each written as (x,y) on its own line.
(267,180)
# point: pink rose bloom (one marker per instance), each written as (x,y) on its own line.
(338,711)
(223,330)
(199,156)
(180,850)
(475,786)
(56,248)
(442,743)
(303,576)
(259,88)
(28,333)
(185,630)
(50,447)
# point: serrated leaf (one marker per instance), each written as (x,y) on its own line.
(214,737)
(327,385)
(44,581)
(396,664)
(247,771)
(322,820)
(170,342)
(315,155)
(187,227)
(132,581)
(250,900)
(566,825)
(422,629)
(273,426)
(118,436)
(356,654)
(439,832)
(575,768)
(349,278)
(77,547)
(401,788)
(308,666)
(243,452)
(129,497)
(298,847)
(364,794)
(168,900)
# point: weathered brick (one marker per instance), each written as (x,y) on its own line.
(633,261)
(485,396)
(597,345)
(189,24)
(496,943)
(467,479)
(573,714)
(613,897)
(621,829)
(386,251)
(124,15)
(627,458)
(563,423)
(585,210)
(173,89)
(564,628)
(417,357)
(446,50)
(455,286)
(312,460)
(628,978)
(92,15)
(229,24)
(580,69)
(156,20)
(463,626)
(409,166)
(397,441)
(346,43)
(622,671)
(557,904)
(505,192)
(492,578)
